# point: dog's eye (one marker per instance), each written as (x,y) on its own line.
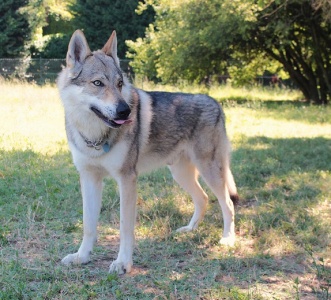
(97,83)
(120,83)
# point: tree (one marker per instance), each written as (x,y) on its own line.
(14,29)
(192,39)
(296,35)
(180,45)
(50,26)
(325,7)
(98,18)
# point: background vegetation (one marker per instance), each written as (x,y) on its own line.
(196,39)
(187,40)
(45,26)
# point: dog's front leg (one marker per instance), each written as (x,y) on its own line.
(128,199)
(91,186)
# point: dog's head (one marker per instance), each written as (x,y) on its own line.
(96,82)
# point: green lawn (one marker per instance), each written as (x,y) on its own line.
(281,162)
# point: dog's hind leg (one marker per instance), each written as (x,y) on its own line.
(186,175)
(91,186)
(216,179)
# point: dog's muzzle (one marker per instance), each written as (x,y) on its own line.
(122,115)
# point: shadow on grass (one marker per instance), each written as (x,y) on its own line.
(283,177)
(36,187)
(292,169)
(261,158)
(187,266)
(286,179)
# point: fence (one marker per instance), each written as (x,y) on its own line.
(39,70)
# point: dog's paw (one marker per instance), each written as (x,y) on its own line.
(228,241)
(120,267)
(75,259)
(185,229)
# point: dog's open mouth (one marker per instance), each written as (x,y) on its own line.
(111,123)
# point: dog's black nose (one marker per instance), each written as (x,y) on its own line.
(123,110)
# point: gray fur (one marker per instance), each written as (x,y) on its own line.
(179,117)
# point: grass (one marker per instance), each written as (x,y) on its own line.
(281,161)
(226,92)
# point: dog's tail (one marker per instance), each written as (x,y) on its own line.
(231,185)
(229,180)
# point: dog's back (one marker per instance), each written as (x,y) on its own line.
(179,118)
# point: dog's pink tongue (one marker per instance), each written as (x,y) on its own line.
(120,122)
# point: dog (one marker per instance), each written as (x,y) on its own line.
(114,129)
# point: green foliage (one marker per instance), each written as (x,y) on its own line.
(246,68)
(98,19)
(296,35)
(14,29)
(325,6)
(57,24)
(145,55)
(189,39)
(193,40)
(56,46)
(48,17)
(50,26)
(42,28)
(36,12)
(59,18)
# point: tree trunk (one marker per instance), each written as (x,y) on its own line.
(323,65)
(302,75)
(297,36)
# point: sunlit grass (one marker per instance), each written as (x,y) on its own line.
(31,118)
(225,92)
(281,161)
(283,120)
(228,92)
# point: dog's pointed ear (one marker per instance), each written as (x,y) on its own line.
(110,48)
(78,49)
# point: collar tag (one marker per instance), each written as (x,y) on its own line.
(106,147)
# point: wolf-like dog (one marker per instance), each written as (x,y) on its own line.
(116,130)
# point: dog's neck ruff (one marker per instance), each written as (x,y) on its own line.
(98,144)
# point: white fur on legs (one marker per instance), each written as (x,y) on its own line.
(128,199)
(217,184)
(186,175)
(228,241)
(75,259)
(226,204)
(91,185)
